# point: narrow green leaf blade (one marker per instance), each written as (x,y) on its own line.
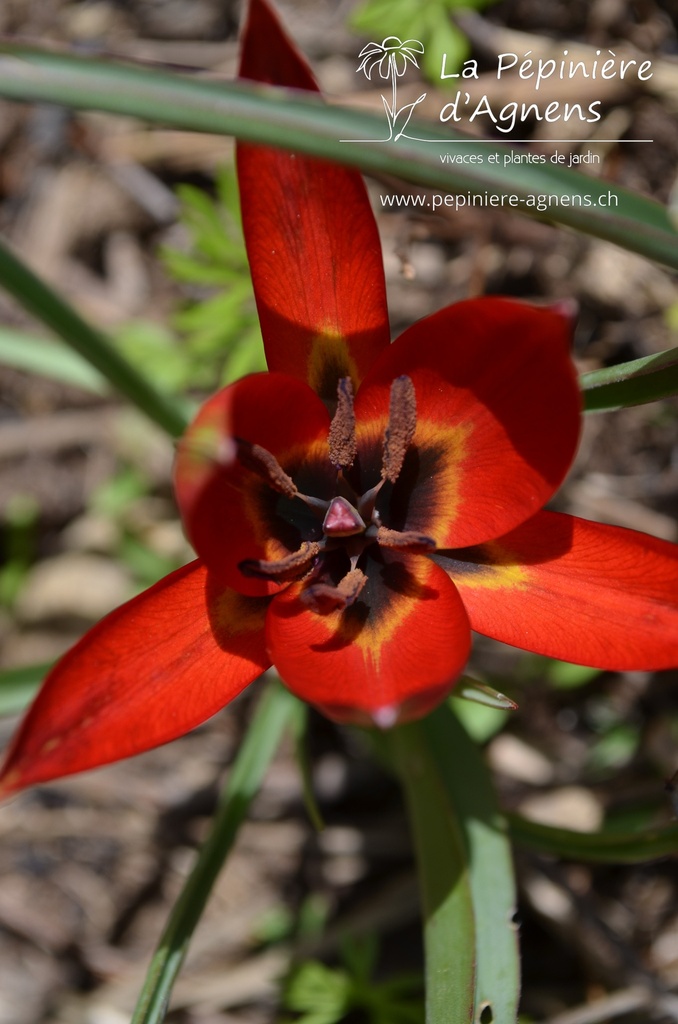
(468,782)
(44,303)
(633,383)
(283,118)
(299,729)
(274,714)
(37,355)
(595,847)
(480,693)
(447,903)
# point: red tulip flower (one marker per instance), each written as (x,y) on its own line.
(362,506)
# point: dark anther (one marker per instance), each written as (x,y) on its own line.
(342,441)
(265,465)
(402,420)
(405,541)
(285,570)
(324,598)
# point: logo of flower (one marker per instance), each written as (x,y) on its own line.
(391,58)
(361,507)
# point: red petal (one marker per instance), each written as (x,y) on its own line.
(149,672)
(498,416)
(391,656)
(311,238)
(579,591)
(229,512)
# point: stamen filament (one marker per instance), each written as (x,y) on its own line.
(265,465)
(285,570)
(324,598)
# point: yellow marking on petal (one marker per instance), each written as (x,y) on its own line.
(233,614)
(452,444)
(446,447)
(502,570)
(381,628)
(329,360)
(373,628)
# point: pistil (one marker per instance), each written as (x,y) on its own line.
(342,519)
(350,523)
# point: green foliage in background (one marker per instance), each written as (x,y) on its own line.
(318,994)
(215,337)
(221,339)
(429,21)
(19,543)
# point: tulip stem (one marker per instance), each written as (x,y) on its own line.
(447,907)
(465,870)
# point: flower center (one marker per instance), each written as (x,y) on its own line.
(351,522)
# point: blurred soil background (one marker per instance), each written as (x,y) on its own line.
(89,867)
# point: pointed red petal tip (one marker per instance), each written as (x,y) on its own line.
(579,591)
(149,672)
(312,241)
(268,53)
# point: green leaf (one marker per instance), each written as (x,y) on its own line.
(39,299)
(566,676)
(480,693)
(299,733)
(443,36)
(18,687)
(273,715)
(614,749)
(641,380)
(442,856)
(469,785)
(155,353)
(283,118)
(320,994)
(605,847)
(37,355)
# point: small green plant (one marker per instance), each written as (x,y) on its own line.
(21,520)
(318,994)
(218,325)
(429,21)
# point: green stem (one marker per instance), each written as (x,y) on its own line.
(449,928)
(42,302)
